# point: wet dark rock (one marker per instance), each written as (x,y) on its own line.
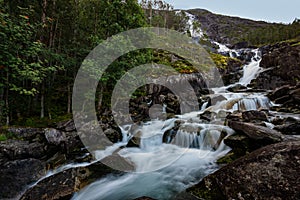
(134,141)
(240,45)
(55,161)
(72,143)
(241,145)
(144,198)
(157,94)
(63,184)
(289,129)
(236,88)
(207,116)
(282,60)
(254,115)
(267,173)
(282,100)
(289,98)
(256,132)
(235,116)
(279,92)
(232,72)
(246,55)
(66,126)
(16,175)
(113,135)
(136,136)
(169,135)
(277,120)
(18,149)
(289,120)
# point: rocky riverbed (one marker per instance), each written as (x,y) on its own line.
(52,163)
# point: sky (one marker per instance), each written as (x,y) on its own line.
(284,11)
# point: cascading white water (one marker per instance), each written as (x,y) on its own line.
(242,101)
(191,154)
(251,70)
(191,26)
(224,49)
(164,169)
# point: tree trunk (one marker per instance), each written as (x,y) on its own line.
(6,99)
(42,101)
(53,28)
(43,18)
(100,98)
(69,98)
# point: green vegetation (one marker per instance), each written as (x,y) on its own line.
(178,63)
(272,33)
(43,44)
(5,134)
(42,47)
(3,137)
(220,60)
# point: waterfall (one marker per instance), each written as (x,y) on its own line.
(242,101)
(161,169)
(251,70)
(190,151)
(189,154)
(195,30)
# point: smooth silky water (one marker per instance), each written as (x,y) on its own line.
(163,170)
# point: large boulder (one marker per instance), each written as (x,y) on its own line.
(16,175)
(256,132)
(67,126)
(64,184)
(282,61)
(26,133)
(18,149)
(289,98)
(55,136)
(254,115)
(271,172)
(289,129)
(248,137)
(232,71)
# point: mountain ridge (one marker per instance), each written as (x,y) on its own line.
(231,29)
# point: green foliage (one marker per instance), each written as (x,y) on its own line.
(220,60)
(265,33)
(272,33)
(5,134)
(42,49)
(3,137)
(38,122)
(19,54)
(169,59)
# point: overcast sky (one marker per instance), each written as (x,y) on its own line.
(268,10)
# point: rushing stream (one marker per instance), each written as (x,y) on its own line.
(164,164)
(165,169)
